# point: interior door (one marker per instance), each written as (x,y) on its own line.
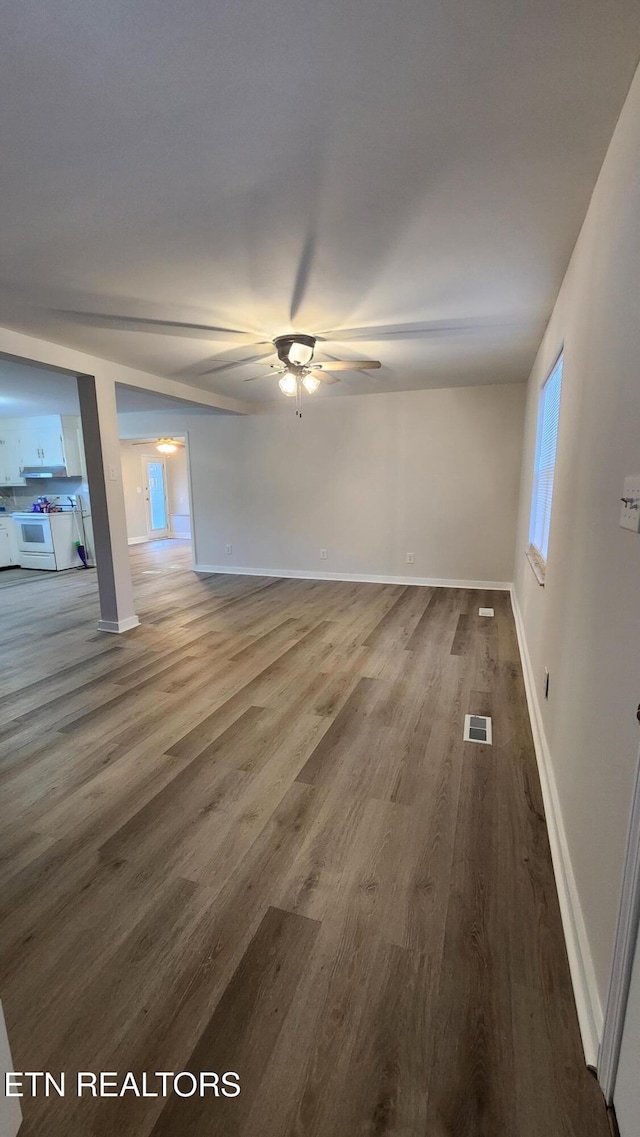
(155,490)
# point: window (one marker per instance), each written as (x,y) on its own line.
(543,470)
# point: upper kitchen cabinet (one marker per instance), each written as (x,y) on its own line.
(45,441)
(10,454)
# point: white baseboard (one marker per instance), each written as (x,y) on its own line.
(137,540)
(362,578)
(585,989)
(118,626)
(623,954)
(180,536)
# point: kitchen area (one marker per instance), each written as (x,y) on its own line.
(45,514)
(45,509)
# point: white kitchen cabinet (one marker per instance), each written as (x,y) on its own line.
(45,440)
(8,553)
(30,444)
(9,455)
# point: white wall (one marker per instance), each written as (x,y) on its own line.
(134,501)
(584,625)
(178,493)
(369,478)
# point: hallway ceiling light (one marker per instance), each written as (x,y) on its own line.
(164,445)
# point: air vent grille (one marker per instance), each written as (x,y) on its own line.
(477,728)
(486,612)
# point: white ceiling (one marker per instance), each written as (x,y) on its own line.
(307,165)
(28,391)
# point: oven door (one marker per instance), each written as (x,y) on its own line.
(34,535)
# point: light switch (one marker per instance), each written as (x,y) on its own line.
(630,512)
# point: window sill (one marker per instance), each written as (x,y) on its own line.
(538,566)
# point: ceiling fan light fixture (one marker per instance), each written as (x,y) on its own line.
(310,383)
(300,353)
(166,446)
(288,384)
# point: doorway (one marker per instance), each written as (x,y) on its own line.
(156,488)
(156,498)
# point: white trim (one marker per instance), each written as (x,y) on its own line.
(585,989)
(192,517)
(623,953)
(137,540)
(363,578)
(537,565)
(32,349)
(179,536)
(118,625)
(10,1110)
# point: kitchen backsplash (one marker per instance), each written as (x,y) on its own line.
(15,498)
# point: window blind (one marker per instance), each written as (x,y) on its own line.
(545,461)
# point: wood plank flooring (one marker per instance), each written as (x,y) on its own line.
(247,836)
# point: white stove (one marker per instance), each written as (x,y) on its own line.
(46,540)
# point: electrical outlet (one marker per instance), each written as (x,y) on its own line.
(229,550)
(323,554)
(411,558)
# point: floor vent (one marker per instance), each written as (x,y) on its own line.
(477,728)
(486,612)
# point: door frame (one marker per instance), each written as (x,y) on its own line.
(155,534)
(623,953)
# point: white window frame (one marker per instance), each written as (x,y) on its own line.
(544,464)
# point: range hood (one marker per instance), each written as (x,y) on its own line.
(44,472)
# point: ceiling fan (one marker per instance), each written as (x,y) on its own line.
(163,445)
(297,371)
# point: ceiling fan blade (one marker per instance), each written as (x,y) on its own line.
(231,364)
(301,281)
(348,365)
(325,377)
(427,328)
(163,327)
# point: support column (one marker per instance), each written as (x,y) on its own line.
(104,472)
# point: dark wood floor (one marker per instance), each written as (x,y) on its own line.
(248,836)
